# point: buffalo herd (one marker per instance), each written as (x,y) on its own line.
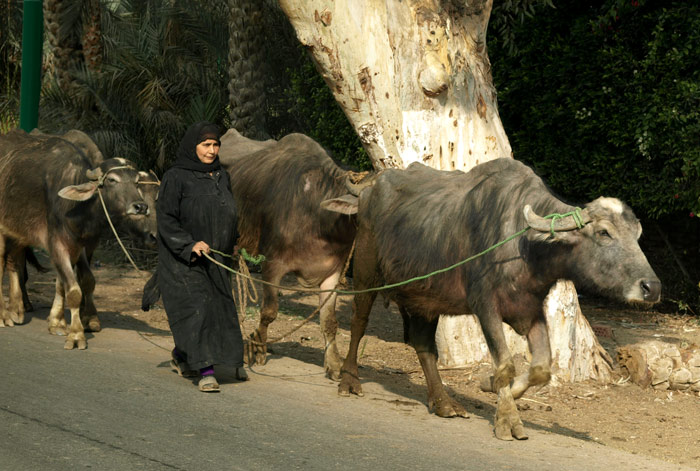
(305,213)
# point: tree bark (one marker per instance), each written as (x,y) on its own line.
(63,36)
(92,36)
(414,80)
(413,77)
(246,79)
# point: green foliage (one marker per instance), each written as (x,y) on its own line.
(310,102)
(300,101)
(10,57)
(160,74)
(606,100)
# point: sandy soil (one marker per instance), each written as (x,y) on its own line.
(662,424)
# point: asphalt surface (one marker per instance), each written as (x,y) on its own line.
(119,406)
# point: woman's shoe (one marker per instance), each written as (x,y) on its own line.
(181,367)
(241,375)
(208,384)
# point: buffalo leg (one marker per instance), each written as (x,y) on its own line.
(539,372)
(257,350)
(364,276)
(15,273)
(56,319)
(422,336)
(332,361)
(88,312)
(23,279)
(507,422)
(349,374)
(406,318)
(5,318)
(68,292)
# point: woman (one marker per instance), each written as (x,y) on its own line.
(196,212)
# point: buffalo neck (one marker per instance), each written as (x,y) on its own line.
(86,229)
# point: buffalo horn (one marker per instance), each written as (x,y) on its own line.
(541,224)
(94,174)
(356,188)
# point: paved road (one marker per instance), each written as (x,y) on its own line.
(118,406)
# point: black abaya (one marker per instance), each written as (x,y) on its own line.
(193,206)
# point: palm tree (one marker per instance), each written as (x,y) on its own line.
(246,59)
(10,54)
(159,72)
(63,26)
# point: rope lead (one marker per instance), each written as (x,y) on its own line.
(575,214)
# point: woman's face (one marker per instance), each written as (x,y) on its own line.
(208,150)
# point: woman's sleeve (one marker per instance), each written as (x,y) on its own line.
(170,230)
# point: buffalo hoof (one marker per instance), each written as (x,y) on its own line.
(447,407)
(332,373)
(257,349)
(59,329)
(17,317)
(508,427)
(333,364)
(349,384)
(93,324)
(6,321)
(75,340)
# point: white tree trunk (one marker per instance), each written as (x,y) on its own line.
(414,79)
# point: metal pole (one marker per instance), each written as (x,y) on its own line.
(32,41)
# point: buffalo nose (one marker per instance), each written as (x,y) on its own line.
(139,208)
(651,290)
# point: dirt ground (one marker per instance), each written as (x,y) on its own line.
(661,424)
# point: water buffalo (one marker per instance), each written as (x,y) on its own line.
(415,221)
(278,187)
(49,199)
(88,147)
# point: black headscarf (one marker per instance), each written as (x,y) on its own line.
(186,156)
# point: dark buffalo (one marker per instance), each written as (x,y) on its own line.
(415,221)
(88,147)
(278,187)
(49,199)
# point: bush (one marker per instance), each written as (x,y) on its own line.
(606,100)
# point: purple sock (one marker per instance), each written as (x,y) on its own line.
(206,371)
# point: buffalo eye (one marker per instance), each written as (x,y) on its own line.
(604,234)
(112,180)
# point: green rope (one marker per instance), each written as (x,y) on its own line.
(244,254)
(442,270)
(249,258)
(576,214)
(379,288)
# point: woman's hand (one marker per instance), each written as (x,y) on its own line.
(200,247)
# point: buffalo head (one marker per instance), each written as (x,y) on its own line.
(604,254)
(118,182)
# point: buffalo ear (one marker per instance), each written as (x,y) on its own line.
(82,192)
(346,204)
